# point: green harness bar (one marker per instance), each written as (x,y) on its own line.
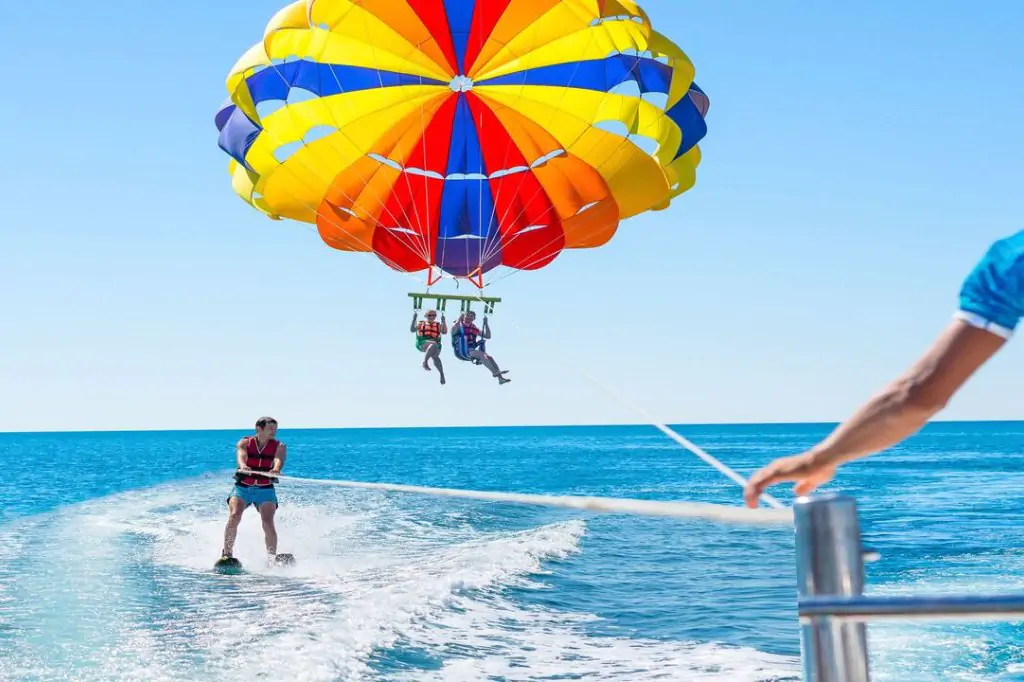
(466,302)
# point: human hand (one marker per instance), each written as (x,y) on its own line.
(808,470)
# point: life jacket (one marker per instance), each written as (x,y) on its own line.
(470,333)
(430,330)
(258,460)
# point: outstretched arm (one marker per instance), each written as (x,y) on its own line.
(991,306)
(412,327)
(444,325)
(485,331)
(897,412)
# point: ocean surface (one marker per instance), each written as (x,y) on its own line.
(107,542)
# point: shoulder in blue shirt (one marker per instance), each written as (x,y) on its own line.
(992,296)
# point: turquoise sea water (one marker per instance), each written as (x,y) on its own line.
(106,543)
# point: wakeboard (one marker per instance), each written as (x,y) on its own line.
(228,566)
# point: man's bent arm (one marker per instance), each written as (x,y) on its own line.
(279,457)
(240,452)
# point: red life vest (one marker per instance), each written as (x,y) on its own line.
(258,460)
(470,332)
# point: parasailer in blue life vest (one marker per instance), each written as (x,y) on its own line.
(991,306)
(469,344)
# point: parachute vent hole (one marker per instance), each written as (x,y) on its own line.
(268,107)
(618,17)
(656,99)
(466,176)
(614,127)
(530,228)
(385,161)
(285,151)
(627,88)
(296,95)
(547,157)
(426,173)
(318,133)
(403,230)
(648,144)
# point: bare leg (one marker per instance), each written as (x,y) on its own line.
(490,364)
(267,510)
(236,507)
(437,362)
(432,351)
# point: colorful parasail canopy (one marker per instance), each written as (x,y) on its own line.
(457,136)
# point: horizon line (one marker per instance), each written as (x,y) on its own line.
(425,427)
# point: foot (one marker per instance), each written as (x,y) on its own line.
(501,373)
(503,380)
(426,367)
(442,380)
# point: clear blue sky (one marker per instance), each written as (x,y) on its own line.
(860,159)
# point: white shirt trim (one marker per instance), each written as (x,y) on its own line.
(980,322)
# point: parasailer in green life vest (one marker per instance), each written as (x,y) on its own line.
(428,339)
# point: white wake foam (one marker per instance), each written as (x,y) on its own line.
(121,588)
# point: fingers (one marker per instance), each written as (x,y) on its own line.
(806,486)
(759,482)
(787,468)
(799,468)
(813,480)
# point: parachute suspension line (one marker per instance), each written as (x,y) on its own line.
(537,255)
(424,248)
(354,200)
(540,190)
(335,223)
(316,210)
(528,264)
(692,510)
(492,248)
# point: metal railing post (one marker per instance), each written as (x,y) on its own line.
(830,563)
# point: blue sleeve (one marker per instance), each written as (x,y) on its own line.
(992,296)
